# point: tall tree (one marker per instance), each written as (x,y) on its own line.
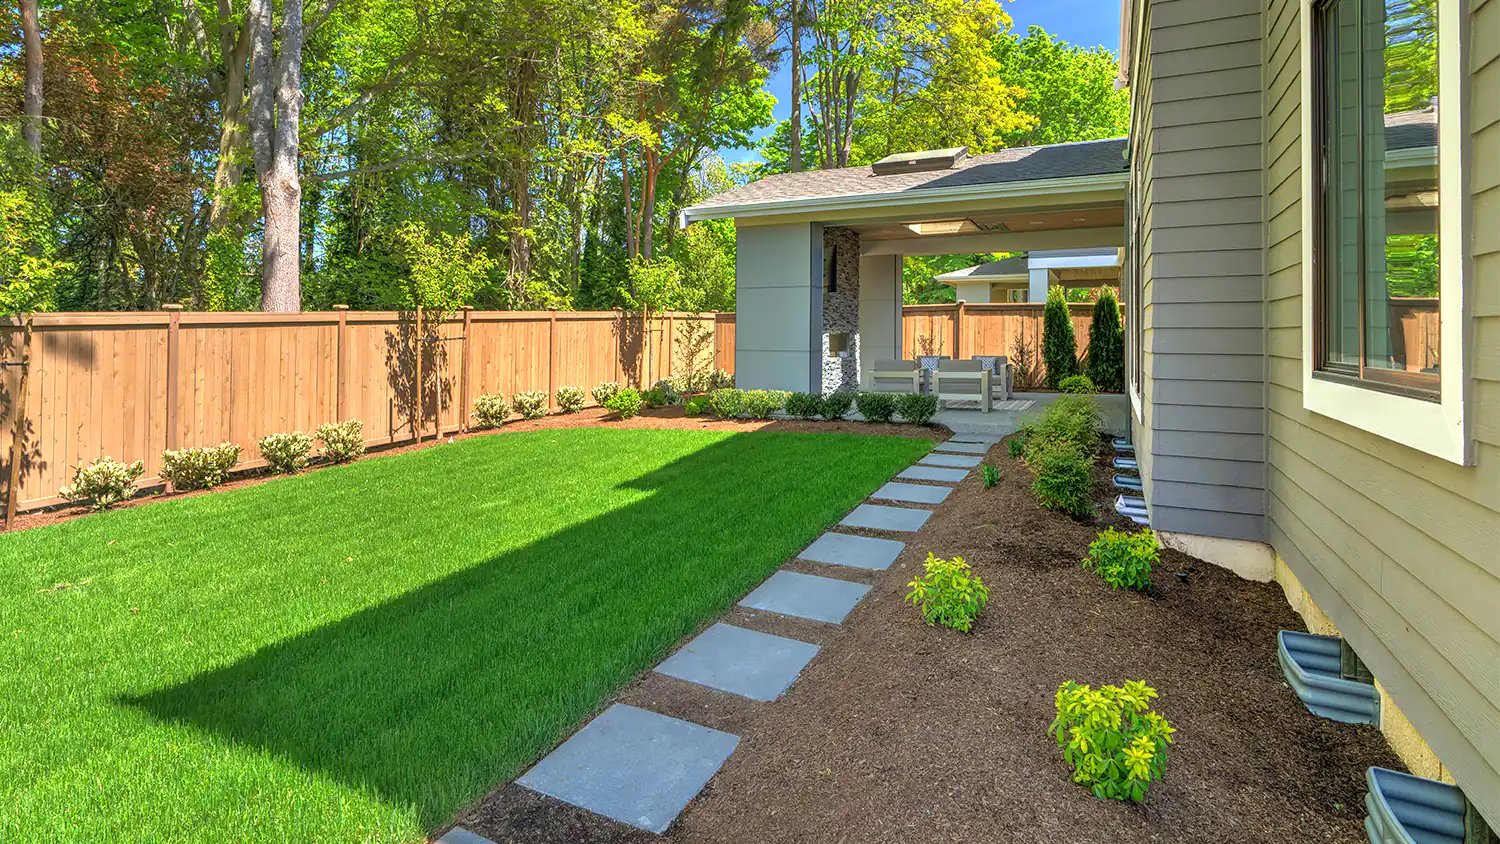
(1070,90)
(31,35)
(275,126)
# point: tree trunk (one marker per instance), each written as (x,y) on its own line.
(794,153)
(275,116)
(648,201)
(31,37)
(230,168)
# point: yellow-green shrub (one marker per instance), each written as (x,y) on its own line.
(1123,559)
(948,593)
(285,452)
(1115,743)
(491,410)
(105,482)
(342,441)
(200,467)
(570,399)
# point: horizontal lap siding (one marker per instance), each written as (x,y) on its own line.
(1204,313)
(1400,549)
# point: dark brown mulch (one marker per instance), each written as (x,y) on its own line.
(900,732)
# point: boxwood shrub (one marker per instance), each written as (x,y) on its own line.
(804,405)
(917,408)
(836,405)
(876,407)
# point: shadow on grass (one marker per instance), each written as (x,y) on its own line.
(433,698)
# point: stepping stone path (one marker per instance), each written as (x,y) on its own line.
(932,473)
(961,461)
(861,552)
(964,448)
(806,596)
(986,439)
(632,765)
(744,662)
(912,493)
(459,835)
(877,517)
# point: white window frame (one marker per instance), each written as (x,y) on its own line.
(1440,427)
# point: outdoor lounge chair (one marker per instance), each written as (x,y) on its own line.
(962,380)
(1000,380)
(896,376)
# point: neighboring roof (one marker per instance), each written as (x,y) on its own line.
(1024,164)
(1017,266)
(1411,129)
(1014,266)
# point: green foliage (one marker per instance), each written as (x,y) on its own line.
(695,406)
(104,483)
(1116,744)
(1063,478)
(948,593)
(29,269)
(836,404)
(695,353)
(989,474)
(491,410)
(670,389)
(286,452)
(876,407)
(1078,385)
(199,467)
(720,380)
(917,408)
(656,397)
(570,399)
(1070,90)
(342,441)
(804,405)
(604,392)
(1106,356)
(763,404)
(1123,559)
(447,271)
(1016,445)
(1071,420)
(727,402)
(1059,347)
(530,404)
(626,403)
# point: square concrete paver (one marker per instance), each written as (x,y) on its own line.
(732,659)
(963,448)
(806,596)
(913,493)
(932,473)
(988,439)
(459,835)
(962,461)
(877,517)
(861,552)
(634,766)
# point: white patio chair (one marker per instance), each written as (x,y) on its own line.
(962,380)
(1001,386)
(895,376)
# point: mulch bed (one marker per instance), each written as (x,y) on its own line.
(900,732)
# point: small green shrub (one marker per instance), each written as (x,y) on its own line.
(917,408)
(625,403)
(200,467)
(655,397)
(726,402)
(1116,744)
(763,404)
(342,441)
(1063,481)
(286,453)
(876,407)
(530,404)
(989,474)
(1123,559)
(671,389)
(948,593)
(695,405)
(105,482)
(570,399)
(606,391)
(836,405)
(1016,445)
(1070,419)
(1077,384)
(720,380)
(804,405)
(491,410)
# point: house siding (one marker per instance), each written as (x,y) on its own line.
(1400,549)
(779,307)
(1201,441)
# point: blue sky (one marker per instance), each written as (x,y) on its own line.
(1088,23)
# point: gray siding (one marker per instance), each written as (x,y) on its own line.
(1202,437)
(1400,549)
(779,307)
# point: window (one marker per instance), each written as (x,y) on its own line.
(1377,260)
(1130,288)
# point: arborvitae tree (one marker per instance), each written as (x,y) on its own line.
(1107,344)
(1059,349)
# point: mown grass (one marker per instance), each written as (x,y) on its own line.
(357,653)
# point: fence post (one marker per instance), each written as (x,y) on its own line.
(417,384)
(551,359)
(958,331)
(174,359)
(463,374)
(340,344)
(18,431)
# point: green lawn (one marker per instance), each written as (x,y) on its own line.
(357,653)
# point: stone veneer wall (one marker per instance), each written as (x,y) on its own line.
(841,309)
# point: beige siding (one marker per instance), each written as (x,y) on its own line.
(1400,549)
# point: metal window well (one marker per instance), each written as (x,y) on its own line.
(1311,666)
(1123,445)
(1133,507)
(1129,482)
(1127,464)
(1404,809)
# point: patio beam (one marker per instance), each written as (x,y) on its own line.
(997,242)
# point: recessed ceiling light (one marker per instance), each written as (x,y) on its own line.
(942,227)
(1038,222)
(1079,219)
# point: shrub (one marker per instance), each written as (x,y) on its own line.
(836,405)
(490,411)
(762,404)
(570,399)
(531,404)
(876,407)
(1016,445)
(990,475)
(625,403)
(671,389)
(1107,343)
(721,380)
(1063,481)
(106,482)
(655,397)
(200,467)
(695,405)
(1059,348)
(342,441)
(804,405)
(606,391)
(916,408)
(1123,559)
(948,593)
(1070,419)
(1077,384)
(286,453)
(1025,373)
(1116,745)
(726,402)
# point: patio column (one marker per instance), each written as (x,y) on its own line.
(879,311)
(1038,280)
(779,304)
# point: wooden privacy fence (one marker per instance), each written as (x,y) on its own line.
(131,385)
(964,330)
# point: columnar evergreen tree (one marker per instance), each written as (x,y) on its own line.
(1107,344)
(1059,349)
